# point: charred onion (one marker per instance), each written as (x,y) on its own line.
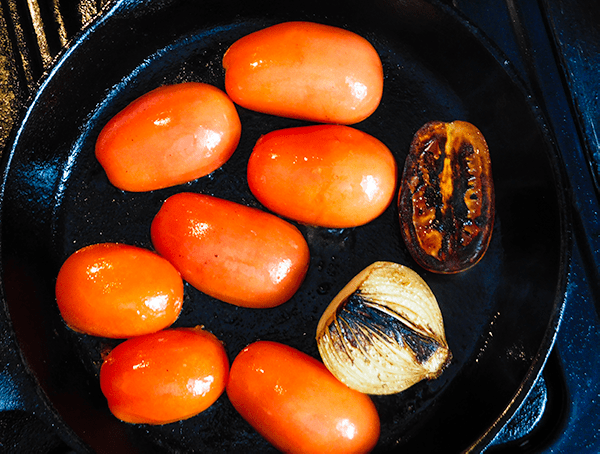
(384,331)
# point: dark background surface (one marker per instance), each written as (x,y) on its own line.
(554,46)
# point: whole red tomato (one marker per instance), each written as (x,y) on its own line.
(165,376)
(293,401)
(325,175)
(118,291)
(238,254)
(305,70)
(169,136)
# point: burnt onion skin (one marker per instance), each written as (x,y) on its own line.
(446,198)
(384,331)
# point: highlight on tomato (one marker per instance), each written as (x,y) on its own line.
(297,405)
(331,176)
(117,290)
(171,135)
(164,377)
(232,252)
(305,70)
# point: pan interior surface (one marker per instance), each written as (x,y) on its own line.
(56,199)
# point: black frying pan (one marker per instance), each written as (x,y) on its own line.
(501,316)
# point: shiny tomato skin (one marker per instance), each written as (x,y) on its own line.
(169,136)
(164,377)
(307,71)
(235,253)
(325,175)
(118,291)
(295,403)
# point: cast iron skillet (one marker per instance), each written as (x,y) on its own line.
(500,316)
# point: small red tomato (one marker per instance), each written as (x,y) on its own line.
(326,175)
(238,254)
(293,401)
(118,291)
(169,136)
(305,70)
(164,377)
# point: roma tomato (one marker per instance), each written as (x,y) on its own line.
(293,401)
(238,254)
(325,175)
(164,377)
(446,201)
(305,70)
(118,291)
(169,136)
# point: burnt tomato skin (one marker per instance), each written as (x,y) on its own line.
(235,253)
(446,199)
(164,377)
(295,403)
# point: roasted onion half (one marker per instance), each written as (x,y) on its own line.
(384,331)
